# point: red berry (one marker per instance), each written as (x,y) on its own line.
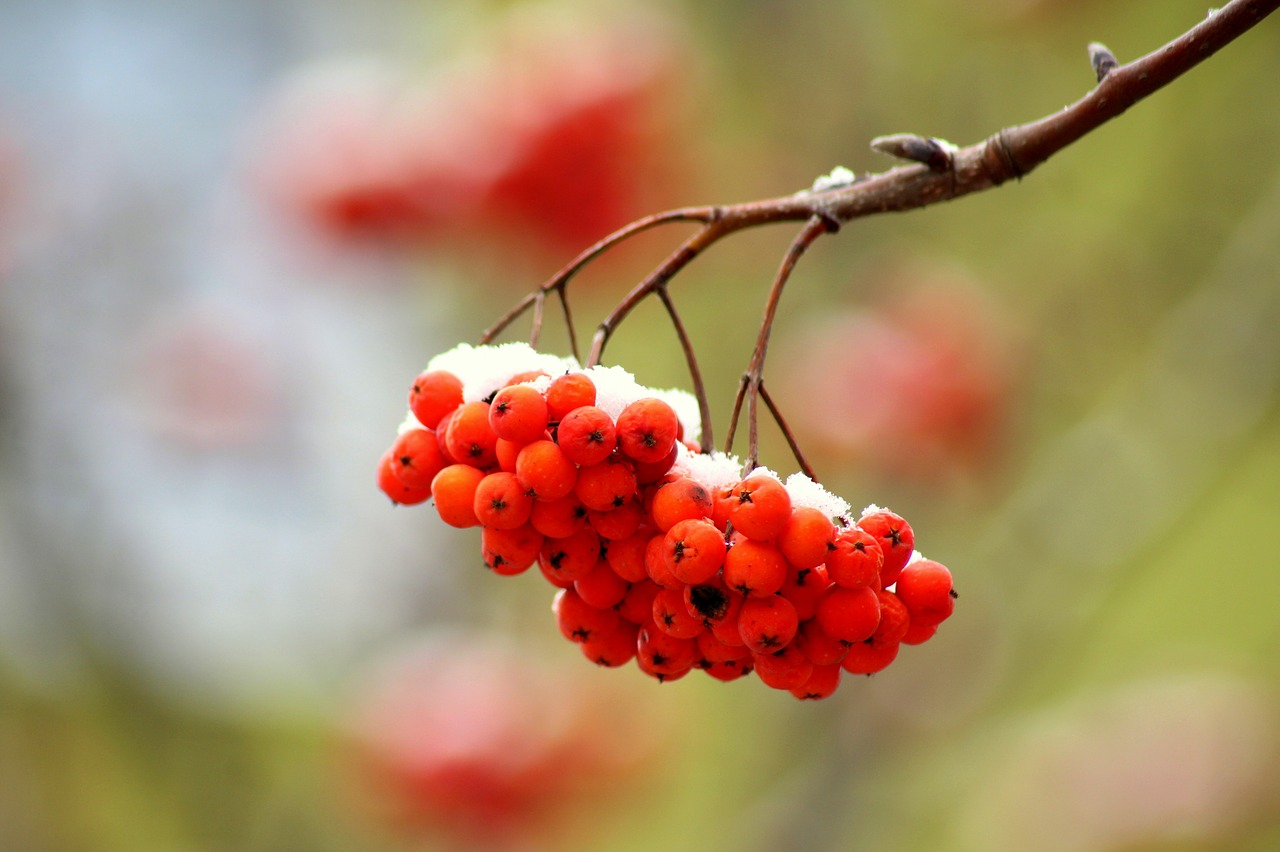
(672,617)
(433,395)
(761,507)
(850,615)
(544,469)
(518,413)
(678,500)
(894,620)
(822,683)
(868,658)
(820,648)
(664,656)
(710,602)
(565,560)
(918,634)
(617,523)
(755,569)
(509,552)
(416,458)
(647,430)
(807,537)
(896,540)
(855,559)
(601,587)
(767,624)
(611,647)
(694,551)
(394,488)
(501,501)
(559,518)
(637,604)
(925,588)
(626,556)
(579,621)
(803,587)
(786,668)
(586,435)
(650,472)
(605,485)
(656,565)
(567,392)
(454,490)
(470,439)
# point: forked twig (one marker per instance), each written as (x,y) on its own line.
(936,171)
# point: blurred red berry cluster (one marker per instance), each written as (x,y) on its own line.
(662,554)
(466,734)
(557,147)
(931,371)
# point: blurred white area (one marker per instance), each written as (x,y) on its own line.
(195,395)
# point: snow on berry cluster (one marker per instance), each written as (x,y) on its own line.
(662,554)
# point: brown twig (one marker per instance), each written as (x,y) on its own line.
(754,377)
(938,171)
(805,467)
(707,442)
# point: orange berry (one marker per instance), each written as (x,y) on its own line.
(753,568)
(647,430)
(678,500)
(470,439)
(501,501)
(761,508)
(606,485)
(694,551)
(416,458)
(518,413)
(433,395)
(805,539)
(543,468)
(510,552)
(394,488)
(586,435)
(567,392)
(454,490)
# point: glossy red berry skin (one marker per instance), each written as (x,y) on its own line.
(434,394)
(647,430)
(767,624)
(925,588)
(897,541)
(761,508)
(416,458)
(394,488)
(849,615)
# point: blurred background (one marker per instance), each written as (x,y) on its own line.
(231,233)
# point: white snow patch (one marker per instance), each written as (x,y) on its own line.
(835,179)
(484,369)
(805,492)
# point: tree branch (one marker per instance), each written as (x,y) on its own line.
(938,171)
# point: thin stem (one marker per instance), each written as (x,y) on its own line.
(695,374)
(535,327)
(678,260)
(568,323)
(754,378)
(805,467)
(560,281)
(737,410)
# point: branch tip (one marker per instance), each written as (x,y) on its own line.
(1102,60)
(937,154)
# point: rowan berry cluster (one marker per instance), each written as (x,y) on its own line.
(662,554)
